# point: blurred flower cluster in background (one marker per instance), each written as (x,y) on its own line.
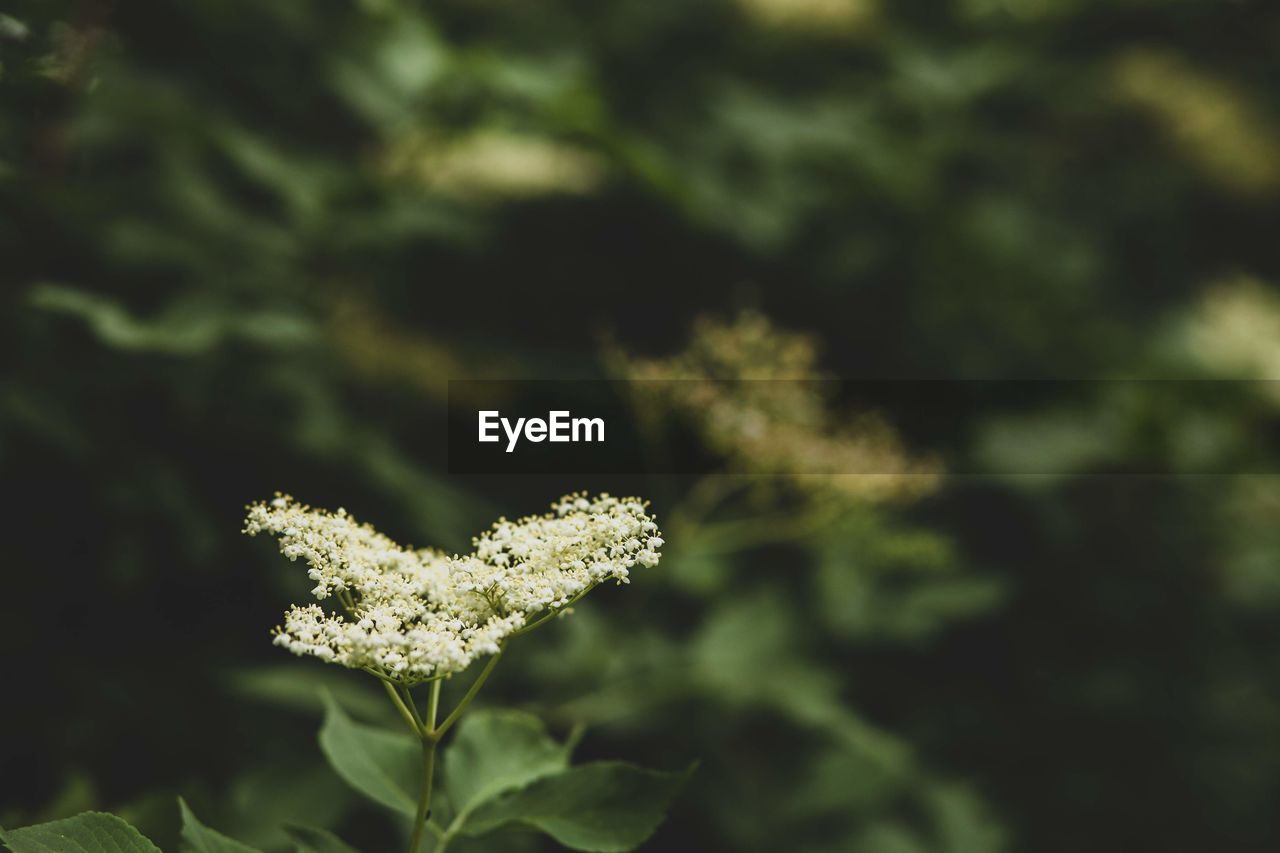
(246,245)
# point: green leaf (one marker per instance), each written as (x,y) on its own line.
(199,838)
(496,751)
(383,765)
(90,832)
(184,329)
(606,806)
(310,839)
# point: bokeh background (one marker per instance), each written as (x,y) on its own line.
(245,245)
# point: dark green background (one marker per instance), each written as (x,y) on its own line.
(216,286)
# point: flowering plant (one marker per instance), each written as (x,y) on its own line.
(415,618)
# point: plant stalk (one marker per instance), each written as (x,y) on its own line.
(430,734)
(424,799)
(401,707)
(471,693)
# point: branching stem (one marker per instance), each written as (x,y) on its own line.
(419,726)
(430,734)
(400,706)
(470,694)
(544,619)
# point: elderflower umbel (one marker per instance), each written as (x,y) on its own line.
(757,396)
(412,616)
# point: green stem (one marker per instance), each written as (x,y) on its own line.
(430,734)
(400,706)
(466,700)
(536,623)
(413,709)
(424,799)
(349,603)
(542,620)
(433,705)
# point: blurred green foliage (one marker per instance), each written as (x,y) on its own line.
(245,245)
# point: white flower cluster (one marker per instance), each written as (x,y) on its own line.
(757,395)
(416,615)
